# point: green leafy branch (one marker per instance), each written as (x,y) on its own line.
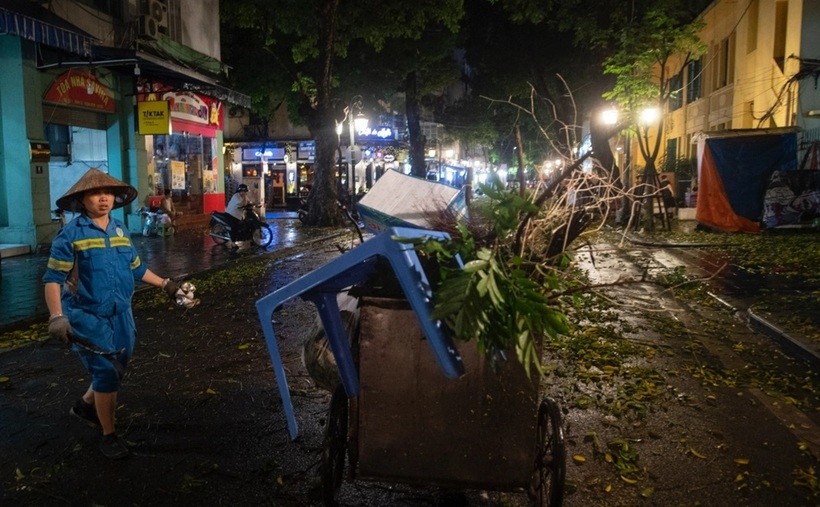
(500,306)
(497,300)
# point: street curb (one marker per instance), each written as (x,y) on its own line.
(787,342)
(793,346)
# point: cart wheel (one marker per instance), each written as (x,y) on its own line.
(547,486)
(334,447)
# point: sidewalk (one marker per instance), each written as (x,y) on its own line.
(762,300)
(188,252)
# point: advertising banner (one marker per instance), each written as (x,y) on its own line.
(178,175)
(154,117)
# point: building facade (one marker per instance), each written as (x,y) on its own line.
(130,87)
(759,72)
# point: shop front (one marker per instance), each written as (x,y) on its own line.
(381,151)
(278,173)
(78,109)
(183,155)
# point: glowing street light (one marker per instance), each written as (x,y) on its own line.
(358,123)
(610,116)
(650,115)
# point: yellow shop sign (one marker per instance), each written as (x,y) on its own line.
(153,117)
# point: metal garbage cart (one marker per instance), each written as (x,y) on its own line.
(395,417)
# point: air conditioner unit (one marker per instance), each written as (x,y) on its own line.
(154,20)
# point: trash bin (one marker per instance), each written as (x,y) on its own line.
(322,286)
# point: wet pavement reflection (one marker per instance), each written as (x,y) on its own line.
(188,252)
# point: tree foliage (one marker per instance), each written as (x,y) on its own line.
(520,55)
(651,50)
(304,40)
(500,300)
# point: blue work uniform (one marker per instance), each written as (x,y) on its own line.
(99,307)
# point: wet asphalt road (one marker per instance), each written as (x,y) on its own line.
(703,440)
(188,252)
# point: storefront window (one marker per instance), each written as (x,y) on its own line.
(305,179)
(185,164)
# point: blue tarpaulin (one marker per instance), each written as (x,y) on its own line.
(734,174)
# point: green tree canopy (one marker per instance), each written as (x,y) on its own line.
(652,49)
(305,40)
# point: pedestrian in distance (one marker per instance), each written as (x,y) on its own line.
(668,197)
(169,210)
(89,282)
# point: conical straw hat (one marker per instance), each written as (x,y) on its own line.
(94,178)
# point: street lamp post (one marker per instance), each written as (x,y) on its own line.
(359,122)
(610,117)
(339,128)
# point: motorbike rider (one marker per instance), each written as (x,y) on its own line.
(236,209)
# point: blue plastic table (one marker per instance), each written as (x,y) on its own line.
(322,285)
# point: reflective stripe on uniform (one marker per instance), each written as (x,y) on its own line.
(87,244)
(119,241)
(64,266)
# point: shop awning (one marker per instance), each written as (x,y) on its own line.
(31,22)
(181,77)
(191,79)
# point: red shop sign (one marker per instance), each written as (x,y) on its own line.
(79,88)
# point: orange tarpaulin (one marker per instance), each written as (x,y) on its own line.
(713,208)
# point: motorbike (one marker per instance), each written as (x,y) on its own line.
(58,216)
(155,223)
(225,228)
(302,212)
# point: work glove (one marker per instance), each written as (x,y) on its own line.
(59,328)
(181,295)
(171,287)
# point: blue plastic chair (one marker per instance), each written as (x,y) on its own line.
(322,285)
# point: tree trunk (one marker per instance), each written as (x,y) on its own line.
(417,164)
(322,201)
(522,176)
(602,152)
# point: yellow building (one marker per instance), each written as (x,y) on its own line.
(760,71)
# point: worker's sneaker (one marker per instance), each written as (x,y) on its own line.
(86,413)
(113,447)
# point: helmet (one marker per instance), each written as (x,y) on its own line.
(242,188)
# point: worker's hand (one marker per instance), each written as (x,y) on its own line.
(59,328)
(171,287)
(181,295)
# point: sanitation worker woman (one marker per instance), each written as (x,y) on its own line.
(89,283)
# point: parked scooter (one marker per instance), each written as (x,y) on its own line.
(58,216)
(302,212)
(155,223)
(226,228)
